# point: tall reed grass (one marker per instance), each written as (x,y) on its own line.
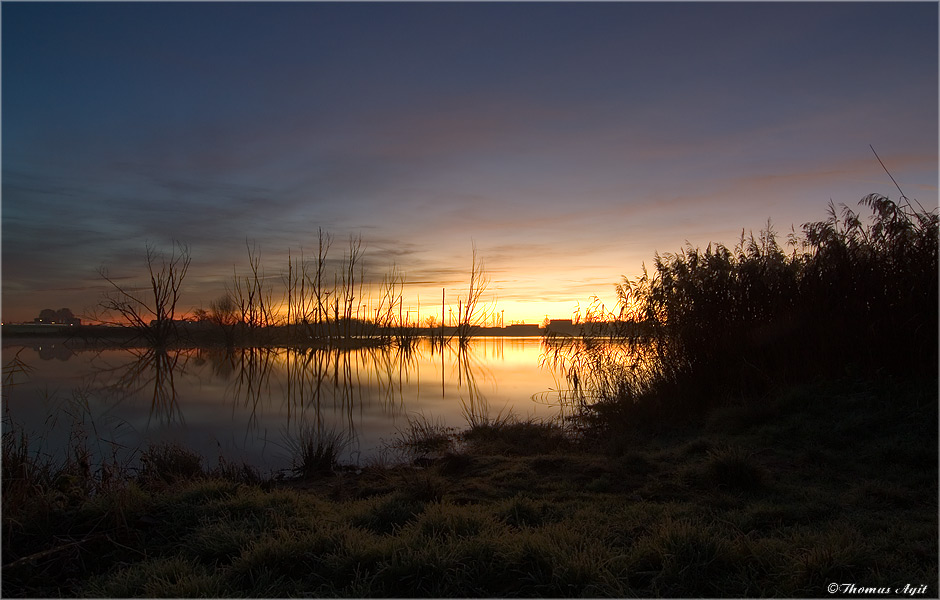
(843,298)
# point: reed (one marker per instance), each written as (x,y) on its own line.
(847,298)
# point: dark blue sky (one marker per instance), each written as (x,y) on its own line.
(569,141)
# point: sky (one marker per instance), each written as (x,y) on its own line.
(567,142)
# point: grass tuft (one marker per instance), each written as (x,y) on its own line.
(686,558)
(316,451)
(172,577)
(388,514)
(162,464)
(513,437)
(423,438)
(523,511)
(734,469)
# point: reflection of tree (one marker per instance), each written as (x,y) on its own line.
(221,360)
(249,369)
(306,374)
(49,351)
(475,406)
(393,368)
(151,373)
(321,380)
(253,367)
(317,379)
(322,388)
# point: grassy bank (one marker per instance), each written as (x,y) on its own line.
(828,483)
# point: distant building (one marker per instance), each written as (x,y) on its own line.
(522,329)
(563,327)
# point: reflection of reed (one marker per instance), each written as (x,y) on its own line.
(13,367)
(595,368)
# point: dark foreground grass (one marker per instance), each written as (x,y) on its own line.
(812,486)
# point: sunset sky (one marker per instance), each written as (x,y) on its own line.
(568,141)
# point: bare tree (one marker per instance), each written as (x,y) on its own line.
(344,289)
(252,298)
(150,310)
(349,282)
(390,302)
(320,294)
(470,310)
(307,298)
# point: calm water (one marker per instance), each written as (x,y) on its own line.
(248,405)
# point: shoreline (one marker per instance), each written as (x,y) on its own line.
(783,497)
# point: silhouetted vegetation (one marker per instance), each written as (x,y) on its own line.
(847,298)
(471,312)
(305,310)
(150,310)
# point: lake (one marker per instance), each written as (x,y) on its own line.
(248,405)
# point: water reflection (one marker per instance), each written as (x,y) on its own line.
(597,368)
(149,372)
(251,404)
(49,349)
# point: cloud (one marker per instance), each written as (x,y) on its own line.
(565,155)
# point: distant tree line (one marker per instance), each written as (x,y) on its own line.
(319,300)
(63,316)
